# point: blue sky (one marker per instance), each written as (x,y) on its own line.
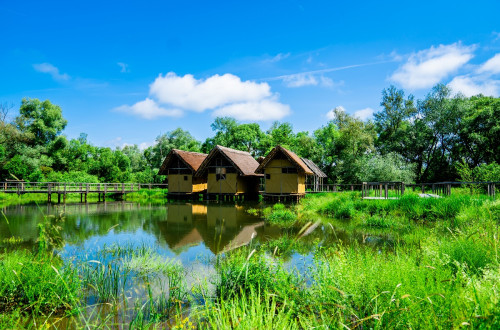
(126,72)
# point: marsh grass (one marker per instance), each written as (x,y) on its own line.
(156,196)
(281,215)
(441,271)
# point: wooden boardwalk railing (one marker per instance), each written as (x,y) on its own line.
(63,188)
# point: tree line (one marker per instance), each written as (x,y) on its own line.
(442,137)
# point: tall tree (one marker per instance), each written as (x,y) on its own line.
(43,120)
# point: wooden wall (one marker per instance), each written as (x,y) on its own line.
(185,183)
(283,183)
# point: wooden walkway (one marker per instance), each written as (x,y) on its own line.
(64,188)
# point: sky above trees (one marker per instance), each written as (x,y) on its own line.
(125,73)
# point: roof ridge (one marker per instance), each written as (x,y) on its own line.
(234,150)
(191,152)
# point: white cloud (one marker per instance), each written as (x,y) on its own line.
(258,111)
(492,66)
(123,67)
(330,115)
(364,114)
(277,58)
(148,109)
(226,95)
(470,86)
(52,70)
(141,146)
(428,67)
(300,80)
(199,95)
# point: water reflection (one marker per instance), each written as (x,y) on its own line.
(186,230)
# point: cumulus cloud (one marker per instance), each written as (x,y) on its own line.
(474,85)
(199,95)
(149,109)
(492,66)
(364,114)
(428,67)
(225,95)
(52,70)
(261,110)
(330,115)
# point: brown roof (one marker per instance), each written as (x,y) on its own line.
(192,159)
(241,160)
(291,157)
(316,170)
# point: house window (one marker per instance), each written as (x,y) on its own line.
(185,177)
(288,170)
(220,173)
(268,176)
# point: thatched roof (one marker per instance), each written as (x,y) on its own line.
(292,157)
(192,159)
(316,170)
(244,163)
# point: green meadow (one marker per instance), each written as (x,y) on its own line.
(406,263)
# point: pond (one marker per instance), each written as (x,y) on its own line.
(192,235)
(185,231)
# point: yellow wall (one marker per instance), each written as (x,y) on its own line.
(227,186)
(177,184)
(177,213)
(283,183)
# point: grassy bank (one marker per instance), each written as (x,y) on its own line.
(440,270)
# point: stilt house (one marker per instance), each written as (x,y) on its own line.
(285,173)
(180,166)
(315,181)
(229,173)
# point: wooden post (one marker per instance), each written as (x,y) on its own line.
(123,188)
(49,192)
(402,188)
(386,192)
(423,188)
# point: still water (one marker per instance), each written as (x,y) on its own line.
(192,234)
(187,232)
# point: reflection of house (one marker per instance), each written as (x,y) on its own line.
(180,167)
(219,227)
(179,229)
(285,174)
(230,173)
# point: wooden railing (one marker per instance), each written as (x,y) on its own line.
(19,188)
(333,187)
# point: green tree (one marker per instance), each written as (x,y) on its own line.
(43,120)
(392,123)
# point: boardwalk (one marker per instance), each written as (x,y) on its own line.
(64,188)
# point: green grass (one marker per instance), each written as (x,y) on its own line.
(441,271)
(279,214)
